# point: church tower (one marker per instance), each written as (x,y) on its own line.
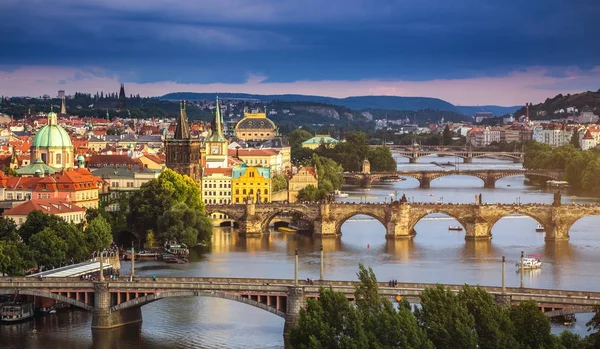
(183,151)
(122,105)
(216,143)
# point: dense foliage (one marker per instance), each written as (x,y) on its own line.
(279,182)
(163,204)
(448,320)
(47,241)
(582,168)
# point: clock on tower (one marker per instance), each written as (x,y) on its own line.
(214,149)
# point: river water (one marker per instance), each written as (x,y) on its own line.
(433,255)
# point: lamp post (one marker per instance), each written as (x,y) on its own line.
(322,262)
(132,261)
(503,275)
(296,269)
(521,269)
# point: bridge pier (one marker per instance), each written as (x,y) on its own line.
(468,160)
(424,181)
(103,318)
(295,301)
(478,230)
(556,232)
(366,181)
(397,227)
(412,160)
(490,181)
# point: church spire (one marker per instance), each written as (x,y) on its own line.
(63,106)
(182,131)
(216,126)
(122,97)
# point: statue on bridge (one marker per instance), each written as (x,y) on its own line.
(557,197)
(403,200)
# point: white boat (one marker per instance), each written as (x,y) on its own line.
(455,228)
(530,262)
(339,194)
(539,228)
(13,312)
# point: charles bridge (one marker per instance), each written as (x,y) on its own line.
(489,177)
(400,217)
(467,155)
(118,302)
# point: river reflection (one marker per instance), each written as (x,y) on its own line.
(435,254)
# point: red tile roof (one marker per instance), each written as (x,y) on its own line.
(48,206)
(252,152)
(226,171)
(101,160)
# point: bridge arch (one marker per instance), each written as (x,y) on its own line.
(517,210)
(357,212)
(415,220)
(432,178)
(210,211)
(162,295)
(50,295)
(507,156)
(125,237)
(267,220)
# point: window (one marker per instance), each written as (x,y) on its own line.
(129,184)
(244,192)
(115,184)
(251,191)
(237,192)
(266,192)
(58,159)
(9,196)
(237,200)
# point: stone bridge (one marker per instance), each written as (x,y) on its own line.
(489,177)
(118,302)
(466,155)
(400,218)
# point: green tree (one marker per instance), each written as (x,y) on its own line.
(302,156)
(590,178)
(492,322)
(9,171)
(15,258)
(279,182)
(570,340)
(184,224)
(311,194)
(385,326)
(8,228)
(184,189)
(98,234)
(446,320)
(594,329)
(330,322)
(575,139)
(36,221)
(149,203)
(381,160)
(532,327)
(48,248)
(329,173)
(296,138)
(447,136)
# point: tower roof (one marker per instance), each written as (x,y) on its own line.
(182,131)
(216,128)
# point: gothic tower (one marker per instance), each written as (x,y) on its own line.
(122,98)
(216,144)
(183,151)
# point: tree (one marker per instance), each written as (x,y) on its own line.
(36,222)
(98,234)
(330,322)
(570,340)
(532,327)
(311,194)
(447,136)
(48,249)
(594,327)
(181,223)
(184,189)
(296,138)
(381,160)
(492,322)
(329,173)
(8,228)
(15,258)
(385,326)
(575,139)
(446,320)
(279,182)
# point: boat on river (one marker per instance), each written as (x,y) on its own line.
(340,194)
(455,228)
(529,263)
(286,230)
(539,228)
(13,312)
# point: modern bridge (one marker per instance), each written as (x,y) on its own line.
(400,217)
(489,177)
(118,302)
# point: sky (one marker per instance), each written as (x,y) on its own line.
(468,52)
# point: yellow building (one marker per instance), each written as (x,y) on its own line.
(306,176)
(251,182)
(255,127)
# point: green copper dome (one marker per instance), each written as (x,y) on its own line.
(52,135)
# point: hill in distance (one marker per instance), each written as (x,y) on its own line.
(549,109)
(354,103)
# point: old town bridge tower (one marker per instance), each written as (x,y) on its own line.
(183,151)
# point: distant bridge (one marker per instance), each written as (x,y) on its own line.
(489,177)
(117,303)
(466,155)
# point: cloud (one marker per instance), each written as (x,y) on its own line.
(534,85)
